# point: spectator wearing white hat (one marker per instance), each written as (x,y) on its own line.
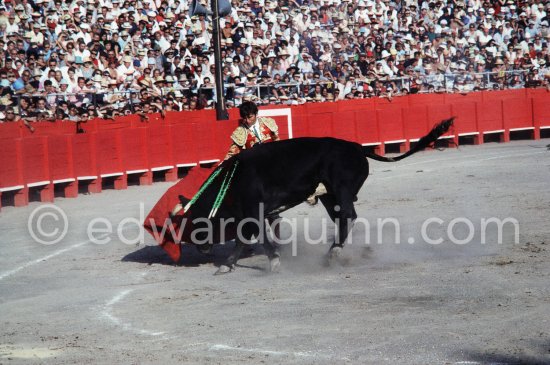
(12,26)
(86,67)
(484,37)
(284,58)
(306,64)
(125,69)
(62,94)
(161,40)
(125,41)
(532,28)
(84,33)
(116,9)
(361,14)
(36,35)
(302,21)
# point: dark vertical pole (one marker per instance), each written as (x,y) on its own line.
(221,111)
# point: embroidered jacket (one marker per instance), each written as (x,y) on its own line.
(245,138)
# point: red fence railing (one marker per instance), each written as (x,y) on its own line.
(55,154)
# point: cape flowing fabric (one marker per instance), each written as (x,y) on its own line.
(167,232)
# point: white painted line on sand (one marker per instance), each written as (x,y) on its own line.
(221,347)
(260,351)
(46,258)
(106,313)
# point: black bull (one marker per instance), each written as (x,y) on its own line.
(273,177)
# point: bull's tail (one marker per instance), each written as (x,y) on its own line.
(436,132)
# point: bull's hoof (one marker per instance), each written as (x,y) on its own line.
(335,256)
(275,264)
(335,252)
(223,269)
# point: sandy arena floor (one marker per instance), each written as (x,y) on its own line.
(459,301)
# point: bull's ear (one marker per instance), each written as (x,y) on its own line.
(183,200)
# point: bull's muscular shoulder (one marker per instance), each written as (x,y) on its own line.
(239,136)
(271,124)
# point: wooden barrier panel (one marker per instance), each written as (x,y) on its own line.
(384,103)
(207,141)
(11,171)
(489,117)
(36,171)
(90,126)
(161,151)
(390,125)
(356,104)
(437,113)
(541,114)
(223,131)
(60,150)
(10,131)
(536,93)
(320,124)
(35,160)
(367,128)
(496,96)
(300,126)
(60,157)
(344,126)
(135,156)
(313,108)
(465,123)
(109,157)
(134,151)
(426,99)
(541,111)
(517,114)
(85,165)
(475,97)
(85,156)
(121,123)
(415,121)
(182,140)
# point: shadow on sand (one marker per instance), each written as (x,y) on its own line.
(190,256)
(514,359)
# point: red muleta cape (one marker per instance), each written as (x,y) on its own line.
(157,222)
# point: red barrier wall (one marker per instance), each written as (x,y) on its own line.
(515,113)
(35,155)
(11,173)
(466,116)
(55,154)
(60,151)
(390,124)
(84,155)
(367,127)
(541,111)
(415,121)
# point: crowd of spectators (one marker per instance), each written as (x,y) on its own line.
(79,59)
